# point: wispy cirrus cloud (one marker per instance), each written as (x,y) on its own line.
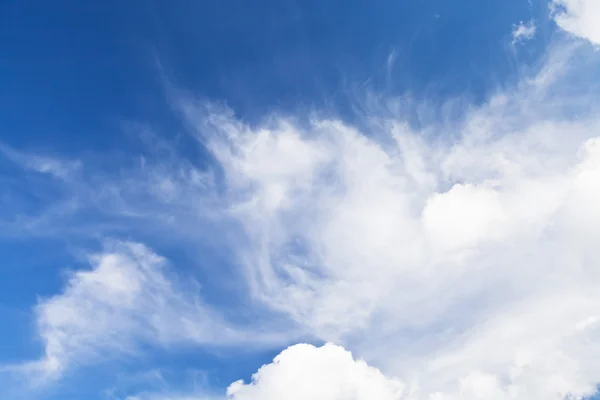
(126,300)
(61,169)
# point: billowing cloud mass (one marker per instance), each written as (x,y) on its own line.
(463,264)
(305,372)
(579,17)
(466,267)
(457,258)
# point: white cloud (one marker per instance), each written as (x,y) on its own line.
(126,299)
(306,372)
(42,164)
(523,31)
(453,224)
(579,17)
(461,264)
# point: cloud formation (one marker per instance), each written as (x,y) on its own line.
(472,261)
(579,17)
(41,164)
(457,256)
(127,299)
(523,31)
(306,372)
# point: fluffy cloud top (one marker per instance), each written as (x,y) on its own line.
(579,17)
(306,372)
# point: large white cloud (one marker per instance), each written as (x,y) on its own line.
(460,258)
(579,17)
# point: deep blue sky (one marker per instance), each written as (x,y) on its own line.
(73,72)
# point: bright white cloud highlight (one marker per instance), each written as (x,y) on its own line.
(579,17)
(306,372)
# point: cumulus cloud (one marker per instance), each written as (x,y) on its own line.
(579,17)
(306,372)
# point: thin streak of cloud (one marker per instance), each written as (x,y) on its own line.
(55,167)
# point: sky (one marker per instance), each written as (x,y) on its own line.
(286,199)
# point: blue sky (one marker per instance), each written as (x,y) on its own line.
(189,190)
